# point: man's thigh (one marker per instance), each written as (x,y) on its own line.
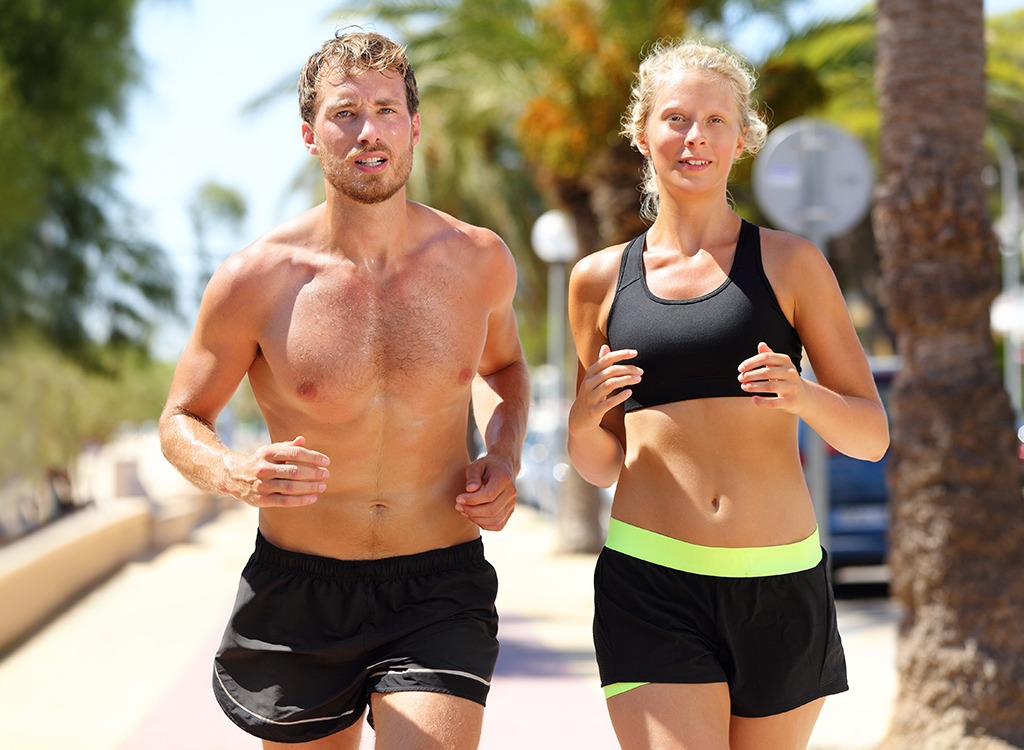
(417,720)
(347,739)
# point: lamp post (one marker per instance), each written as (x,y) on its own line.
(553,237)
(554,240)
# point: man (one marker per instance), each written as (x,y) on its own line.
(365,325)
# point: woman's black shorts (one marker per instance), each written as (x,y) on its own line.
(310,638)
(772,638)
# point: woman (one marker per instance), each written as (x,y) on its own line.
(714,620)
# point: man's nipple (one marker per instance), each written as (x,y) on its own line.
(307,390)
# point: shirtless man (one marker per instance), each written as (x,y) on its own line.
(365,325)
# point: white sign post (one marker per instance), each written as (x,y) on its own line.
(815,180)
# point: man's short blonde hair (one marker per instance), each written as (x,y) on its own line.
(351,53)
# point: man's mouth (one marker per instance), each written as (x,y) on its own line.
(373,161)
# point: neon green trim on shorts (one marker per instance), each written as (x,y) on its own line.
(618,688)
(722,562)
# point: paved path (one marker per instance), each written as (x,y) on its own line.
(128,666)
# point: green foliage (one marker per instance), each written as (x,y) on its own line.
(69,265)
(214,207)
(51,407)
(1005,69)
(828,70)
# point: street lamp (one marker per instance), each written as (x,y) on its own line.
(554,240)
(578,503)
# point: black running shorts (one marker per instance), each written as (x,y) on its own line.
(772,638)
(311,638)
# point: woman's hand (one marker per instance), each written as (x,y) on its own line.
(605,385)
(768,373)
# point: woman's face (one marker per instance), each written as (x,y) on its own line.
(694,132)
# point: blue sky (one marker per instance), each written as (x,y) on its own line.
(204,60)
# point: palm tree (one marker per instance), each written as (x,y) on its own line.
(827,70)
(957,539)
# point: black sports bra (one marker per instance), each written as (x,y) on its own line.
(692,348)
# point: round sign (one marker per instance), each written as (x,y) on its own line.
(813,178)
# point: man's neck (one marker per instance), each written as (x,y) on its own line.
(367,233)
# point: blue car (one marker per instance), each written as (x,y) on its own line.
(858,519)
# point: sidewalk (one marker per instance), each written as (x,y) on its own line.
(128,666)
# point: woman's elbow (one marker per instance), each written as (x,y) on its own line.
(879,445)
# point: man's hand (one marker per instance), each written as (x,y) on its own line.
(490,495)
(280,475)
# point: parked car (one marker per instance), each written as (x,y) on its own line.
(858,518)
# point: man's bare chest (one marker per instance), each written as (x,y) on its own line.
(334,340)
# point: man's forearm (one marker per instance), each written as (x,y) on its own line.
(192,446)
(501,404)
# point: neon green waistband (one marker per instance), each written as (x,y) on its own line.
(722,562)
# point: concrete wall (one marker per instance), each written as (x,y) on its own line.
(139,504)
(43,572)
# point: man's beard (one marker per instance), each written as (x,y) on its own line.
(368,188)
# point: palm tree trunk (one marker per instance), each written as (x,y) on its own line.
(957,535)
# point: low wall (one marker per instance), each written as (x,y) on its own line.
(139,505)
(45,571)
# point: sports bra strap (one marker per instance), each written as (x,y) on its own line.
(631,267)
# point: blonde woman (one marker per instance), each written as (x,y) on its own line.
(714,624)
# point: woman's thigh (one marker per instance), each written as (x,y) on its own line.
(660,716)
(786,731)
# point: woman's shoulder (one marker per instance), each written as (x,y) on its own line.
(599,268)
(786,246)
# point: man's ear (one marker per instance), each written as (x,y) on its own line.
(309,138)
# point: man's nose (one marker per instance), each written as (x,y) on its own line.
(368,130)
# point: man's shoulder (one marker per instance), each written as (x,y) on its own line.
(281,244)
(456,231)
(461,244)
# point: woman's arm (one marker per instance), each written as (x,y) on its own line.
(843,405)
(597,435)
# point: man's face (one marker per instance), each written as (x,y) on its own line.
(363,134)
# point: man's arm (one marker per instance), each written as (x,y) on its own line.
(501,402)
(215,360)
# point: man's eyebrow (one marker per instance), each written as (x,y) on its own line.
(348,102)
